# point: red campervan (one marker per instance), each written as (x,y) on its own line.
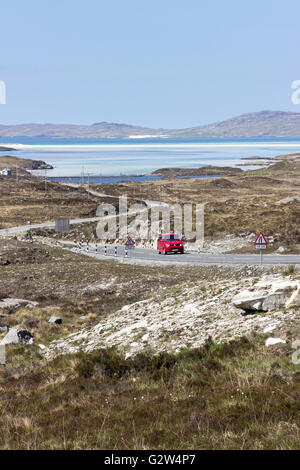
(169,243)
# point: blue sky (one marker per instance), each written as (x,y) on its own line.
(165,63)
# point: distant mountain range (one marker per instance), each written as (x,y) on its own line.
(259,124)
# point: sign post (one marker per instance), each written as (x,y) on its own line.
(62,225)
(261,244)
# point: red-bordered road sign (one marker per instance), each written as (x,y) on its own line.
(130,242)
(261,240)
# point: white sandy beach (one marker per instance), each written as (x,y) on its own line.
(148,145)
(113,158)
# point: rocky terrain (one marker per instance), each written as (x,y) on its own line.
(186,317)
(145,357)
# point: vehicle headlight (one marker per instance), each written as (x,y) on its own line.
(167,244)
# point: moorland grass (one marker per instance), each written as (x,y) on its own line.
(238,395)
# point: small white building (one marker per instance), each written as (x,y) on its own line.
(5,172)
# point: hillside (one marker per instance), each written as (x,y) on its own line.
(258,124)
(99,130)
(25,163)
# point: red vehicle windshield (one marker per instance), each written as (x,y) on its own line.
(172,236)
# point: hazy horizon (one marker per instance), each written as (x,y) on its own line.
(135,124)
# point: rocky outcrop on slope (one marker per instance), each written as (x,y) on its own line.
(10,305)
(269,295)
(173,321)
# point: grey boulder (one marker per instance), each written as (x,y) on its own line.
(16,336)
(56,320)
(268,295)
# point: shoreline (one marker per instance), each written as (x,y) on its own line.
(144,178)
(151,145)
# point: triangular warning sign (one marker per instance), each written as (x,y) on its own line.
(130,242)
(261,240)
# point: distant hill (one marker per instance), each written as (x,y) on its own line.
(100,130)
(26,163)
(259,124)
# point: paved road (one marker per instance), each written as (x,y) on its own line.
(147,254)
(25,228)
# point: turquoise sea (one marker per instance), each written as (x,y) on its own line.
(142,156)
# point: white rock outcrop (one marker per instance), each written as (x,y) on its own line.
(15,336)
(273,341)
(170,323)
(269,294)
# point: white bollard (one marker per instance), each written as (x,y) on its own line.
(115,251)
(126,252)
(105,251)
(96,248)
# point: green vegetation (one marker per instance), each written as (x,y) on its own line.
(289,270)
(231,396)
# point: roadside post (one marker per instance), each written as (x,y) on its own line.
(261,244)
(105,251)
(116,250)
(96,248)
